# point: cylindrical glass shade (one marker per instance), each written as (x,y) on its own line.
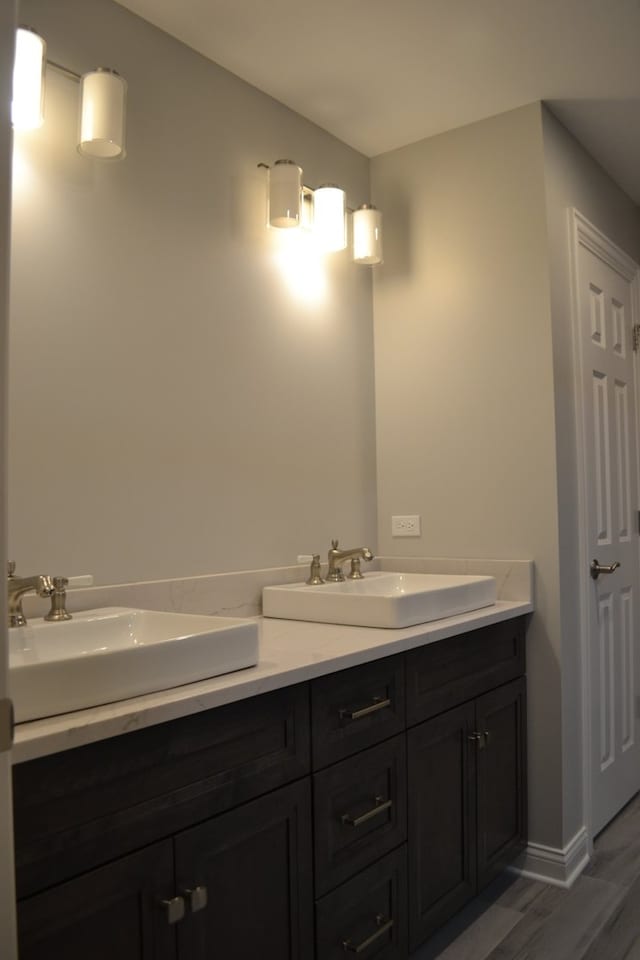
(285,193)
(102,115)
(367,235)
(27,108)
(329,217)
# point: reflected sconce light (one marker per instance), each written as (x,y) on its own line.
(103,99)
(27,107)
(285,194)
(102,115)
(367,235)
(329,223)
(323,211)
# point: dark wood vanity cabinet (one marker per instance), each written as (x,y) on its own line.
(467,803)
(355,813)
(111,912)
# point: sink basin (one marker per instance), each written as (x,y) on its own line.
(110,654)
(381,599)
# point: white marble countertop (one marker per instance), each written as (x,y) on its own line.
(290,651)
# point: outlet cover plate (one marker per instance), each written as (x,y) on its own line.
(407,526)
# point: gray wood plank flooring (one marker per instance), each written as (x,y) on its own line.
(519,919)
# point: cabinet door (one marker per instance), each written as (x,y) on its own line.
(441,762)
(255,865)
(502,788)
(112,912)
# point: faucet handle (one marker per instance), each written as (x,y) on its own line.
(314,573)
(11,568)
(334,544)
(58,601)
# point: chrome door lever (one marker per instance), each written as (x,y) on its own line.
(597,568)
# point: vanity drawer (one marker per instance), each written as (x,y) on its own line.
(356,708)
(445,674)
(367,915)
(360,811)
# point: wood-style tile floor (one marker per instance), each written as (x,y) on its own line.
(518,919)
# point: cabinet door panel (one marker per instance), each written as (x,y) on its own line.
(255,863)
(442,796)
(112,912)
(502,793)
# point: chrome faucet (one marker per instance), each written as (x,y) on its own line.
(17,587)
(337,558)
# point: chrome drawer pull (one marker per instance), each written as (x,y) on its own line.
(383,927)
(380,807)
(378,704)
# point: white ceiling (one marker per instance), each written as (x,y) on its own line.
(379,74)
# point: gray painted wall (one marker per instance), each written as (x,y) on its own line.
(464,382)
(177,407)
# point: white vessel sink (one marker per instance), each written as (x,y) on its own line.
(110,654)
(381,599)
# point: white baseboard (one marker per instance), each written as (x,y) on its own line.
(559,867)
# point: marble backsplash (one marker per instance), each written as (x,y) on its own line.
(239,594)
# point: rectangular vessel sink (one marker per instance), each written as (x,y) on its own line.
(381,599)
(110,654)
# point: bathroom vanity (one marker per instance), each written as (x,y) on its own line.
(351,812)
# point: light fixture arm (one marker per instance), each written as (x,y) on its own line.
(64,70)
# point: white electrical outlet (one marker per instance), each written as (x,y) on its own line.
(405,526)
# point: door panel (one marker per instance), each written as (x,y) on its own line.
(441,760)
(502,782)
(609,404)
(255,863)
(112,913)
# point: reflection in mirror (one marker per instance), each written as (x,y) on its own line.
(176,409)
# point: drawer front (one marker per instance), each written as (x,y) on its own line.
(366,916)
(445,674)
(355,709)
(101,801)
(360,812)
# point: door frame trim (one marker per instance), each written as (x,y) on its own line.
(584,233)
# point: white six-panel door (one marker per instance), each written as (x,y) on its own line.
(605,314)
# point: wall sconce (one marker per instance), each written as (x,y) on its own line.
(103,98)
(102,115)
(329,224)
(27,111)
(285,194)
(323,210)
(367,235)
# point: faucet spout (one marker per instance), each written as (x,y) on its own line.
(19,586)
(337,558)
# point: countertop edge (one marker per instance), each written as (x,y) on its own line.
(291,651)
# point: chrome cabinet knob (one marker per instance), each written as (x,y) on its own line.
(196,898)
(174,909)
